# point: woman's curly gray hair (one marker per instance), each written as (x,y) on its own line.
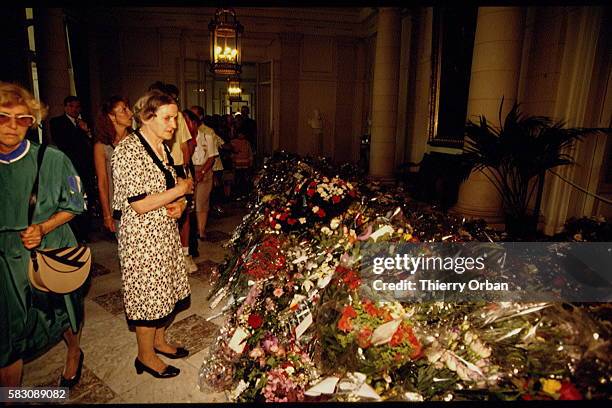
(146,106)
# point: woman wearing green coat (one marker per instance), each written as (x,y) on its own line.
(31,320)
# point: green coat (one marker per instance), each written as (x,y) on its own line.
(31,320)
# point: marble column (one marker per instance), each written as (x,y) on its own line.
(385,93)
(496,66)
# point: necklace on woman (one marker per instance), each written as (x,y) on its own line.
(157,148)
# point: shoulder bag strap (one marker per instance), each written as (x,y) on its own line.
(34,193)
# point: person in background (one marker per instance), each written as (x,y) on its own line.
(30,320)
(113,124)
(179,150)
(216,193)
(203,159)
(249,126)
(242,159)
(151,200)
(72,135)
(191,120)
(226,126)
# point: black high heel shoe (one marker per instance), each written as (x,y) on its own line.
(181,352)
(63,382)
(169,371)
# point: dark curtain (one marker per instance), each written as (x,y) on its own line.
(457,28)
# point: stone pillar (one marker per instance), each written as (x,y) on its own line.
(496,65)
(385,91)
(52,58)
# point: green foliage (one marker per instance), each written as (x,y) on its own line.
(522,148)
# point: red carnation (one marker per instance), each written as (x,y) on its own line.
(352,280)
(310,192)
(335,199)
(364,337)
(321,213)
(397,337)
(345,324)
(348,311)
(291,221)
(417,349)
(255,321)
(569,391)
(370,308)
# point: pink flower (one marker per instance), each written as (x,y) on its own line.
(256,352)
(270,305)
(366,234)
(278,292)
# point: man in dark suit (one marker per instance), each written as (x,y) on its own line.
(249,127)
(72,135)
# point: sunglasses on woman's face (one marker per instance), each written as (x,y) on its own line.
(21,120)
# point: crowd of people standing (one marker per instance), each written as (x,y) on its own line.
(151,173)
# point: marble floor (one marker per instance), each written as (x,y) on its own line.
(110,347)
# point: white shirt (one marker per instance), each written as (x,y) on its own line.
(205,146)
(218,165)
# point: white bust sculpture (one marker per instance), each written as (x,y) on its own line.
(316,124)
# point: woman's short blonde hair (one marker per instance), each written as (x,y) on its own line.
(15,95)
(147,105)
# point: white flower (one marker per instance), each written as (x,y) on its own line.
(290,370)
(277,227)
(315,209)
(307,285)
(326,231)
(334,223)
(302,220)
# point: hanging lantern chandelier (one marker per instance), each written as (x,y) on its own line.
(233,89)
(225,43)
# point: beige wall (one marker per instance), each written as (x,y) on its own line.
(315,66)
(544,43)
(325,61)
(566,70)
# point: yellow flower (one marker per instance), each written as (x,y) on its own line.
(550,386)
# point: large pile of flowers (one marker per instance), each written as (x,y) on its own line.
(301,326)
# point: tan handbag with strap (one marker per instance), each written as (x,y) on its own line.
(60,270)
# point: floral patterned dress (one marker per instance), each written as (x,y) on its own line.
(152,262)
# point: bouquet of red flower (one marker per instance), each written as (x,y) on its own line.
(327,197)
(378,334)
(312,200)
(266,259)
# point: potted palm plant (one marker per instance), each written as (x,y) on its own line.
(515,157)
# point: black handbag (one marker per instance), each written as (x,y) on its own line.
(60,270)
